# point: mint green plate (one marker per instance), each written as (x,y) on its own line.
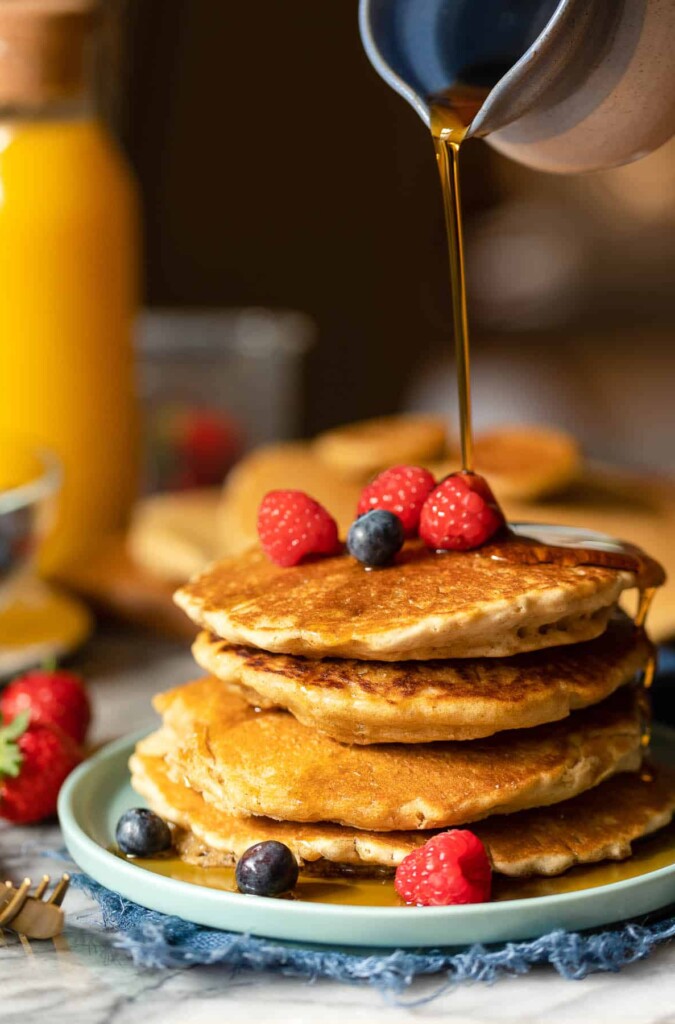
(97,793)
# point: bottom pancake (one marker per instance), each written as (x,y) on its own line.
(600,824)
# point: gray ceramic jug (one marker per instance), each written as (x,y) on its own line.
(575,85)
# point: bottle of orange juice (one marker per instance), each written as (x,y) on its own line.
(68,274)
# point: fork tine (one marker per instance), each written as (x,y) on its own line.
(60,890)
(40,888)
(11,909)
(6,893)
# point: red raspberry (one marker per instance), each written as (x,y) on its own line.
(460,514)
(453,867)
(401,490)
(292,525)
(52,698)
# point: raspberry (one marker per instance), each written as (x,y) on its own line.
(292,525)
(401,490)
(453,867)
(460,514)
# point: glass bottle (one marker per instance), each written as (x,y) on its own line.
(68,275)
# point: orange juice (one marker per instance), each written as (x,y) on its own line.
(68,293)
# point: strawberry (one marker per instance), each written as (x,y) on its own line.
(34,762)
(51,697)
(460,514)
(451,868)
(292,525)
(401,490)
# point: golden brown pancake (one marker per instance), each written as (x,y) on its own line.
(600,824)
(359,450)
(267,763)
(232,834)
(424,701)
(426,605)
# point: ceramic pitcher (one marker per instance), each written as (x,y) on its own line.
(575,85)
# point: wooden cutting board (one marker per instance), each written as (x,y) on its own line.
(114,585)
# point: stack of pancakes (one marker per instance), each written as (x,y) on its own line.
(350,713)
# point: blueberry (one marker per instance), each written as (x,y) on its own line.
(374,538)
(267,869)
(142,833)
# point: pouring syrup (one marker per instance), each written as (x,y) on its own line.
(451,113)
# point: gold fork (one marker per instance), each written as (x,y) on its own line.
(26,913)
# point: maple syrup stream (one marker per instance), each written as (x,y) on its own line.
(450,115)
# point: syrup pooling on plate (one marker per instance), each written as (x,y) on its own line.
(347,890)
(648,855)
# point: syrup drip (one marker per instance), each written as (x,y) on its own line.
(645,601)
(541,544)
(649,672)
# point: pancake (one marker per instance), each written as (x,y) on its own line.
(172,535)
(359,450)
(598,825)
(421,702)
(230,834)
(249,761)
(426,605)
(524,462)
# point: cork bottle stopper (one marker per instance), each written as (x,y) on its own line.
(42,49)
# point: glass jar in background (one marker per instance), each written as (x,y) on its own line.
(68,274)
(37,622)
(215,382)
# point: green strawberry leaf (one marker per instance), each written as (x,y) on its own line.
(10,755)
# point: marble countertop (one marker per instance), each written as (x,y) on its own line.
(82,978)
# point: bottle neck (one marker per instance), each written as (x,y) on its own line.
(46,59)
(71,108)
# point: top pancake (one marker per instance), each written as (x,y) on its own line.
(420,702)
(426,605)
